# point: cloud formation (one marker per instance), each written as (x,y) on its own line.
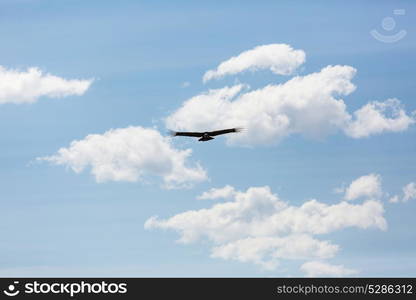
(279,58)
(372,119)
(130,154)
(365,186)
(323,269)
(256,249)
(28,86)
(394,199)
(309,105)
(225,192)
(257,226)
(409,193)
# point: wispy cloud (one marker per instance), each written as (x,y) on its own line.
(225,192)
(409,193)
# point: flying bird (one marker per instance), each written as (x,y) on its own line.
(205,136)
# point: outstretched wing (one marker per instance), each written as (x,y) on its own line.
(178,133)
(224,131)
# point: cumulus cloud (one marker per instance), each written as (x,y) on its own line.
(310,105)
(279,58)
(257,226)
(130,154)
(265,251)
(323,269)
(364,186)
(28,86)
(372,119)
(216,193)
(304,105)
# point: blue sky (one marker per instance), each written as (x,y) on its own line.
(56,222)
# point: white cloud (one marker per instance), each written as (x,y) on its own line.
(323,269)
(257,226)
(129,154)
(364,186)
(27,86)
(409,192)
(372,119)
(265,251)
(309,105)
(279,58)
(200,111)
(303,105)
(394,199)
(226,192)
